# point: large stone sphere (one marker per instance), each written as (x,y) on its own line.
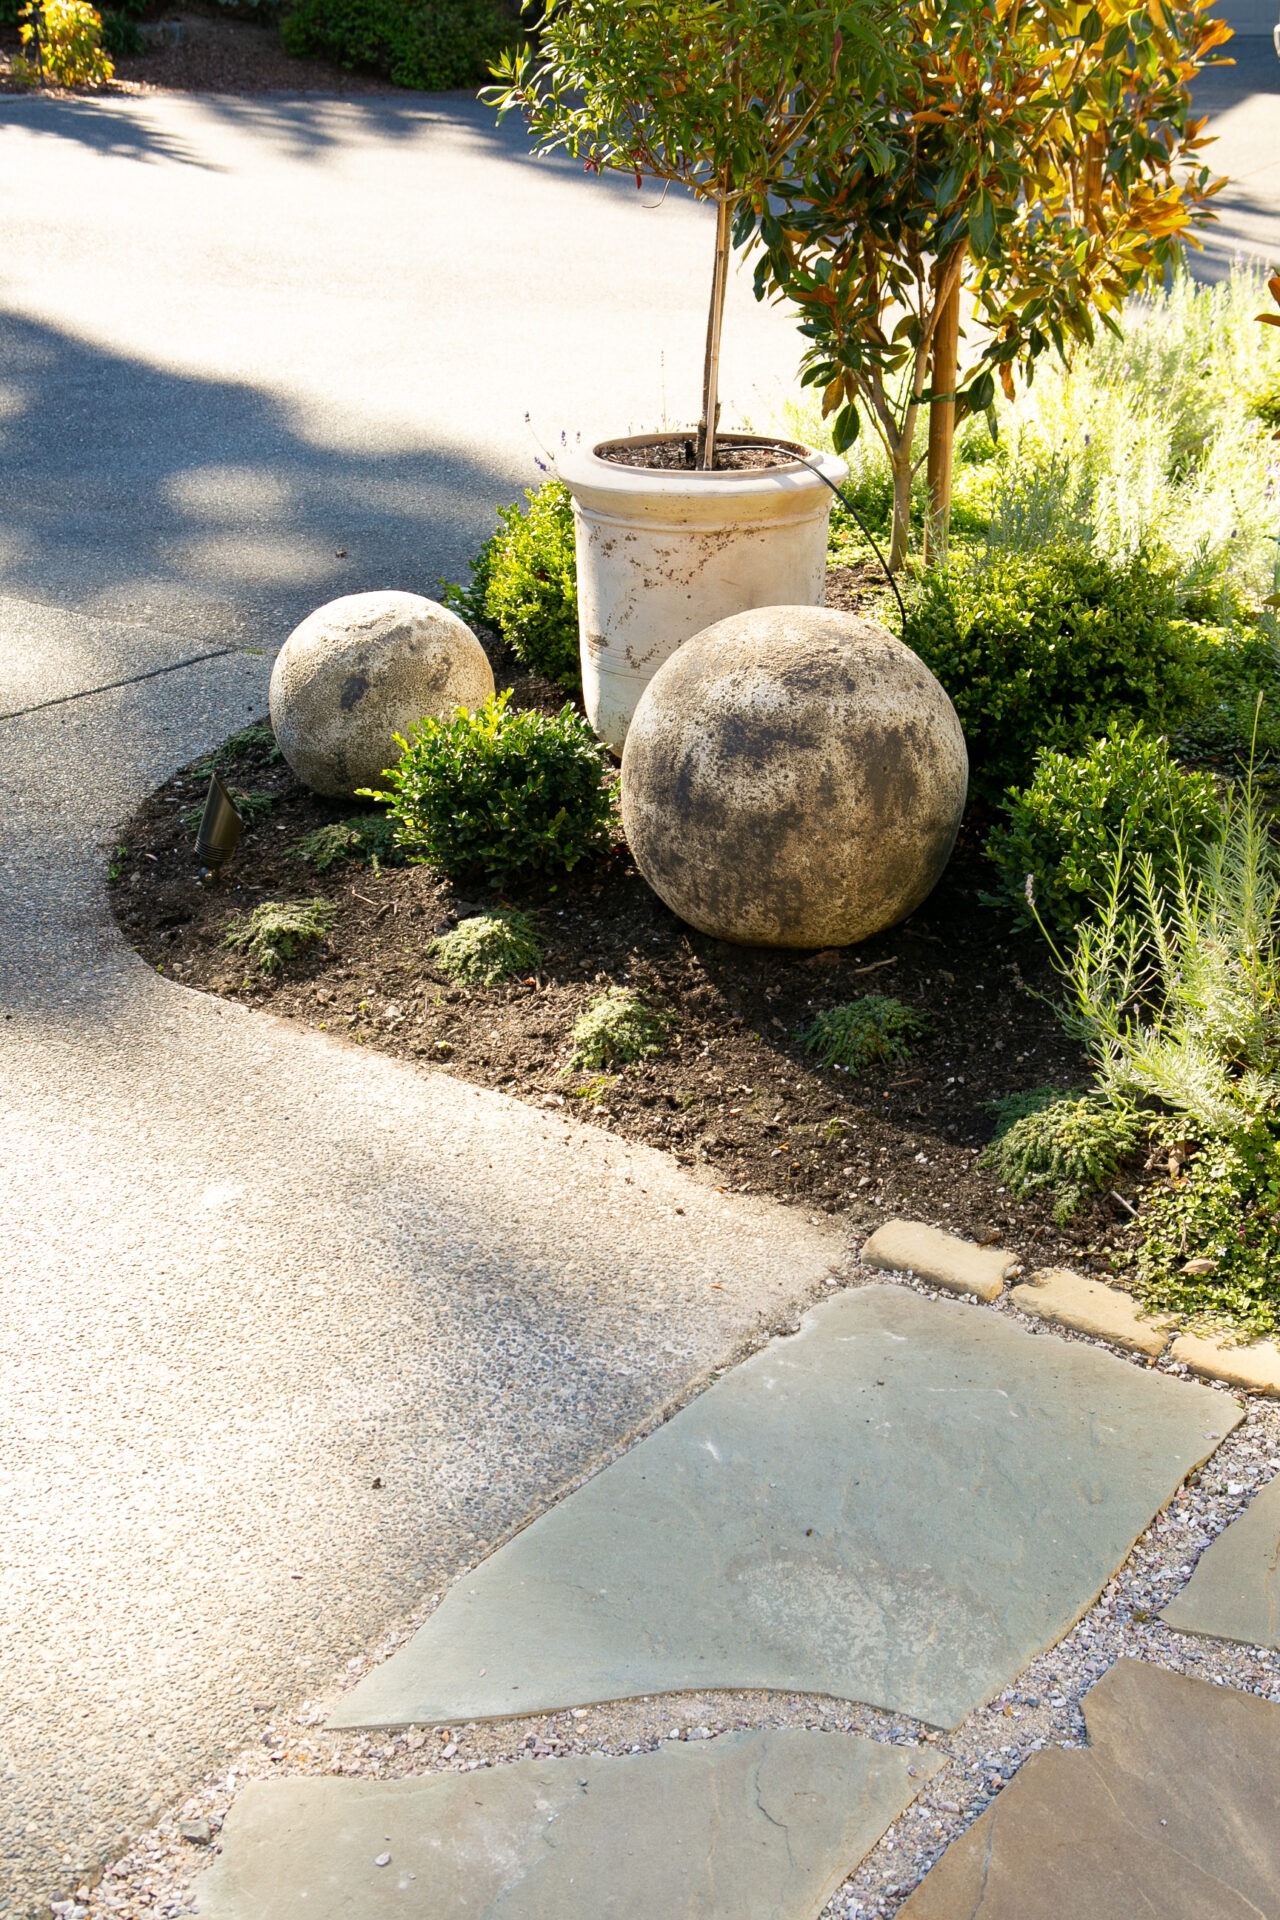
(793,777)
(361,670)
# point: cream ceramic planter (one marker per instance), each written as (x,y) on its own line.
(664,552)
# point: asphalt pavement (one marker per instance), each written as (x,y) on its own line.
(1242,103)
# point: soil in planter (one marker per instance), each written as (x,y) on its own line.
(678,454)
(733,1095)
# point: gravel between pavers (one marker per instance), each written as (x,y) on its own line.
(1042,1708)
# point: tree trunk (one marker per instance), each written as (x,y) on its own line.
(900,461)
(942,425)
(715,322)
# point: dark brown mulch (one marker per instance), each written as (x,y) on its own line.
(216,53)
(734,1094)
(860,589)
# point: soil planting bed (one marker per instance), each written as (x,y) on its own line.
(733,1095)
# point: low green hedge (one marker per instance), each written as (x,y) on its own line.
(432,44)
(1053,650)
(1060,834)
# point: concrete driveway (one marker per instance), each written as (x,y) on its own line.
(1243,104)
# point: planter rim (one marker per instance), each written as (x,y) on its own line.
(792,490)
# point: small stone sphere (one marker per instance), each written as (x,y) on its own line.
(361,670)
(793,777)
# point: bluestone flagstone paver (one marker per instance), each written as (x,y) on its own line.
(901,1505)
(1234,1593)
(752,1826)
(1173,1812)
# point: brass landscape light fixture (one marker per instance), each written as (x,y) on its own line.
(219,833)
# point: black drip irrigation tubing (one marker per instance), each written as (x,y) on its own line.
(843,497)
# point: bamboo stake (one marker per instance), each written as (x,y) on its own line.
(942,423)
(715,324)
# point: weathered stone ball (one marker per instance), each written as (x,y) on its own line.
(361,670)
(793,777)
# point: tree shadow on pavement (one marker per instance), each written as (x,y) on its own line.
(145,495)
(112,126)
(304,126)
(1244,112)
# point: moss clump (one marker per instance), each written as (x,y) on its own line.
(487,948)
(251,743)
(616,1029)
(864,1033)
(277,929)
(1015,1106)
(366,836)
(1071,1147)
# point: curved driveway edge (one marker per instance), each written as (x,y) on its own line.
(289,1334)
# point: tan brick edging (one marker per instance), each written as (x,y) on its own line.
(1066,1299)
(1090,1306)
(944,1260)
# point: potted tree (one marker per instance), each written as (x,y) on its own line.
(729,99)
(1041,164)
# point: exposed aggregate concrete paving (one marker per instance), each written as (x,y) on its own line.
(285,1328)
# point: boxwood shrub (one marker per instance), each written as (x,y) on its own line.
(1063,829)
(501,794)
(1054,649)
(524,582)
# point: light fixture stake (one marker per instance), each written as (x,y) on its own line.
(219,834)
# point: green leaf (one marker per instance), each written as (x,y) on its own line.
(982,222)
(845,428)
(982,393)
